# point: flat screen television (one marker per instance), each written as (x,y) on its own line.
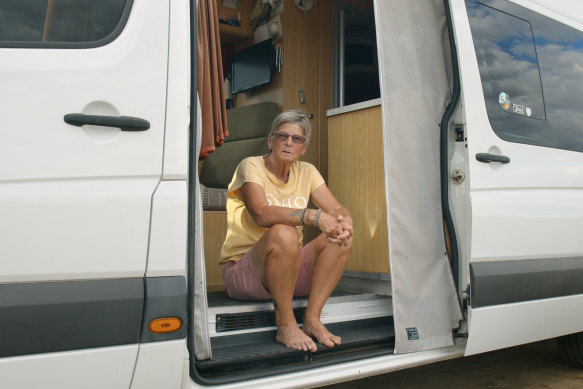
(253,67)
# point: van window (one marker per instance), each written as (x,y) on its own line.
(531,69)
(356,67)
(25,23)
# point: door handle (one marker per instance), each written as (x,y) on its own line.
(487,158)
(125,123)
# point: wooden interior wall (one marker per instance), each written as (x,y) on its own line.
(356,177)
(300,68)
(272,92)
(325,79)
(215,228)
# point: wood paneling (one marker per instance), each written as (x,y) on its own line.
(215,229)
(325,79)
(300,66)
(356,178)
(272,92)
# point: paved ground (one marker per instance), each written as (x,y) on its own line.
(536,365)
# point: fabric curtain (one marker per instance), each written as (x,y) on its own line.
(202,340)
(211,88)
(415,90)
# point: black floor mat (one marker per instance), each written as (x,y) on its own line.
(239,352)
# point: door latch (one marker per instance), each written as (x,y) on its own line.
(458,176)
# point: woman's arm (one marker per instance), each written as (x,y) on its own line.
(335,227)
(324,199)
(332,209)
(264,214)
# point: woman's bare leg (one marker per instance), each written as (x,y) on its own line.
(328,261)
(276,260)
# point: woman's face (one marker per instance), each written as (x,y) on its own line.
(288,143)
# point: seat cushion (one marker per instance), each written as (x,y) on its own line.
(218,169)
(250,121)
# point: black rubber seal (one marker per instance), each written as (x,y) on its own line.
(444,166)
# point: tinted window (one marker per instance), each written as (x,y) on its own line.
(356,68)
(58,21)
(532,74)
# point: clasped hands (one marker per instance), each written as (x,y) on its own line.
(336,229)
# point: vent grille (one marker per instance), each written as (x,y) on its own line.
(246,320)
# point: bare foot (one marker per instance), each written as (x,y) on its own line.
(317,330)
(291,336)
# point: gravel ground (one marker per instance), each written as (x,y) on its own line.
(536,365)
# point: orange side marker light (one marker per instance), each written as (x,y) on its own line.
(164,325)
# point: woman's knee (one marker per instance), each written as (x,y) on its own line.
(342,250)
(283,237)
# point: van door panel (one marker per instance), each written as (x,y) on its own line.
(527,214)
(75,202)
(98,368)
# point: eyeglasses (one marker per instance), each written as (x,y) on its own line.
(282,137)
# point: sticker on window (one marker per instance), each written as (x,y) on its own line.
(507,105)
(504,100)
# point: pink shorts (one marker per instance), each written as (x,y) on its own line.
(242,283)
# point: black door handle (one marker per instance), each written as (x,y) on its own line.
(487,158)
(125,123)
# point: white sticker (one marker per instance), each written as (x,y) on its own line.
(518,109)
(528,111)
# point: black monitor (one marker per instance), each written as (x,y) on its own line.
(253,67)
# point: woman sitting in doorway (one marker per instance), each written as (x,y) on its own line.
(263,256)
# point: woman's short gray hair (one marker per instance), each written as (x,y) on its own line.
(293,116)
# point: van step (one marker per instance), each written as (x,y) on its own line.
(229,317)
(250,351)
(246,320)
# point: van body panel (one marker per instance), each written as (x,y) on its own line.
(504,282)
(530,208)
(74,229)
(177,102)
(168,231)
(569,12)
(161,365)
(60,316)
(526,223)
(500,326)
(108,367)
(75,201)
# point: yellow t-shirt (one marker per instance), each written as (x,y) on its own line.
(242,231)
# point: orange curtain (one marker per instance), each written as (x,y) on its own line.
(211,88)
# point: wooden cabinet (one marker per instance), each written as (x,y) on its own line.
(356,177)
(215,229)
(234,34)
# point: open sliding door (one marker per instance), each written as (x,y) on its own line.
(526,182)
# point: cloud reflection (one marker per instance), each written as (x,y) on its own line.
(508,48)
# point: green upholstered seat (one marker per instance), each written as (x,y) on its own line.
(248,130)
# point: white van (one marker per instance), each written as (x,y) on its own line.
(462,167)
